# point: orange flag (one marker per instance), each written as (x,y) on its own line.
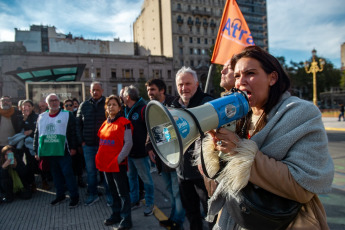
(233,34)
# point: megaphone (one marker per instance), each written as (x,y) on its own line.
(173,130)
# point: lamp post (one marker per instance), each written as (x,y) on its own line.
(314,68)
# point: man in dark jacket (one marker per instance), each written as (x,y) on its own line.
(191,182)
(156,90)
(55,138)
(90,117)
(138,160)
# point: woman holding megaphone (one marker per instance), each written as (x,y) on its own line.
(277,162)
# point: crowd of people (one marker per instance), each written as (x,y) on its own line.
(282,138)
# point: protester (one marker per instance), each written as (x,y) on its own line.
(14,177)
(90,117)
(29,126)
(227,80)
(20,103)
(42,105)
(156,90)
(138,160)
(341,112)
(282,148)
(55,137)
(11,120)
(78,158)
(191,183)
(115,144)
(75,105)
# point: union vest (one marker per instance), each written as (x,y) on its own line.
(111,139)
(52,134)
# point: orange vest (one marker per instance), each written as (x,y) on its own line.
(111,138)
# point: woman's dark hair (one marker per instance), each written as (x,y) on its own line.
(112,97)
(269,64)
(28,101)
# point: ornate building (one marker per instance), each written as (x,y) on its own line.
(186,30)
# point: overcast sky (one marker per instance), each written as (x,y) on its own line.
(295,27)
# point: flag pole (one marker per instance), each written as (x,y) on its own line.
(208,78)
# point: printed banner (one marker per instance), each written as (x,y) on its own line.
(233,34)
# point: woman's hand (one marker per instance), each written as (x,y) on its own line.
(6,163)
(225,140)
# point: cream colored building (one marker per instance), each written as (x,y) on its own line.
(186,30)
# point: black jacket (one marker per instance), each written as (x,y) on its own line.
(30,123)
(185,170)
(136,115)
(90,117)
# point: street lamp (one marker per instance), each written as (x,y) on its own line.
(314,68)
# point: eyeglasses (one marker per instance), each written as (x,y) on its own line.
(68,105)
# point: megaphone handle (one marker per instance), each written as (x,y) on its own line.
(202,135)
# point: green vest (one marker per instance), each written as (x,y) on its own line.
(52,134)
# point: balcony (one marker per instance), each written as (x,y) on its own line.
(201,13)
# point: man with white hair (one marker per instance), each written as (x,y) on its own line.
(55,138)
(191,182)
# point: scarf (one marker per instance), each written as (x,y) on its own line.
(7,112)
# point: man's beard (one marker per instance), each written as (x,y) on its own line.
(5,107)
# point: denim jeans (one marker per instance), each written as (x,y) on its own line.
(62,171)
(119,188)
(171,184)
(141,167)
(91,170)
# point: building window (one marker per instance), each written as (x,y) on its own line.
(191,51)
(169,89)
(181,62)
(192,63)
(190,40)
(179,6)
(86,73)
(181,51)
(195,51)
(180,39)
(203,51)
(127,73)
(113,73)
(198,40)
(199,51)
(212,41)
(156,73)
(206,41)
(141,73)
(114,90)
(169,74)
(198,29)
(98,73)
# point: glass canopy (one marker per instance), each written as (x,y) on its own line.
(56,73)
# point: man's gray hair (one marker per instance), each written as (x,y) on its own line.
(132,92)
(49,96)
(96,83)
(184,70)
